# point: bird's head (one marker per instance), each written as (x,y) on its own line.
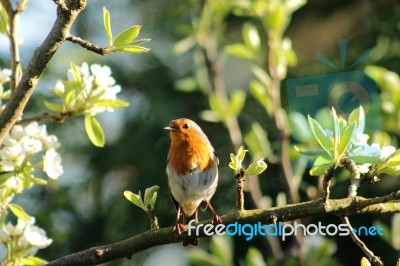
(184,129)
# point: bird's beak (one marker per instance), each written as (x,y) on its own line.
(170,128)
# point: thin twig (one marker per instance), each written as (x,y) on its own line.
(374,259)
(152,238)
(61,4)
(355,177)
(153,219)
(326,182)
(87,45)
(239,192)
(14,49)
(59,117)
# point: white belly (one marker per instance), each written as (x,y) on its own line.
(193,188)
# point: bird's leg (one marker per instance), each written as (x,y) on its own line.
(178,226)
(216,219)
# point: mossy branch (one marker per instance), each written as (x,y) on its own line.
(341,207)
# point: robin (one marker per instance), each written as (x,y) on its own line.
(192,169)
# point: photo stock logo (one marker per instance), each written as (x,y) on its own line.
(282,230)
(344,91)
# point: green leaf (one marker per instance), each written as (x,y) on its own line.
(251,37)
(366,154)
(201,257)
(346,139)
(365,262)
(131,48)
(55,107)
(236,104)
(241,154)
(76,73)
(234,162)
(320,135)
(32,261)
(5,176)
(19,212)
(300,129)
(394,159)
(336,129)
(188,84)
(257,141)
(38,181)
(135,199)
(184,45)
(256,168)
(4,25)
(116,103)
(321,164)
(217,106)
(358,116)
(127,36)
(239,50)
(94,131)
(312,153)
(107,24)
(150,196)
(276,18)
(221,247)
(396,231)
(140,41)
(259,92)
(254,257)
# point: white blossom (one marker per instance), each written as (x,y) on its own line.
(386,151)
(36,236)
(361,139)
(11,156)
(32,146)
(50,142)
(364,168)
(5,75)
(102,75)
(52,164)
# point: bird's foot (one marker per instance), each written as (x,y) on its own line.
(216,219)
(179,228)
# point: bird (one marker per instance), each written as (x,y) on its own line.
(192,170)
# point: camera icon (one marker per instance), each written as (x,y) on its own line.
(343,91)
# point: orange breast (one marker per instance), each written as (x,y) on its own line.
(187,153)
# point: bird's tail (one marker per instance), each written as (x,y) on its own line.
(190,240)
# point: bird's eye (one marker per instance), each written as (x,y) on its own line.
(186,126)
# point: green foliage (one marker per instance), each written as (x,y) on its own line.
(4,23)
(221,252)
(94,131)
(87,92)
(146,204)
(365,262)
(18,211)
(125,40)
(255,168)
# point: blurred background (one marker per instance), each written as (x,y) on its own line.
(206,63)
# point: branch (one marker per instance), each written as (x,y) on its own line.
(42,55)
(374,259)
(326,184)
(239,192)
(59,117)
(14,49)
(152,238)
(61,4)
(87,45)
